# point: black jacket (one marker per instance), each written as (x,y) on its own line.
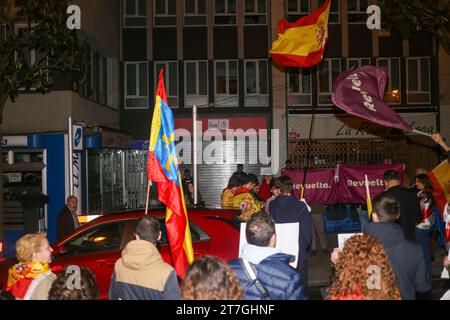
(410,212)
(287,209)
(406,258)
(64,223)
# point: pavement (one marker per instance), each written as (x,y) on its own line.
(319,270)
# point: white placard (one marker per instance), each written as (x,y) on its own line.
(213,124)
(224,124)
(343,237)
(445,274)
(287,239)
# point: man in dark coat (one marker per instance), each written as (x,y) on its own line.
(410,212)
(287,209)
(67,218)
(274,279)
(406,257)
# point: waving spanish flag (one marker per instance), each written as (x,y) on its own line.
(162,168)
(302,43)
(440,178)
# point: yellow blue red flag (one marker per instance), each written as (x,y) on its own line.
(162,168)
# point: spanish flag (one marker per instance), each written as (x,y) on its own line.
(162,168)
(302,43)
(440,178)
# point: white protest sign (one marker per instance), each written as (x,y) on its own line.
(287,239)
(343,237)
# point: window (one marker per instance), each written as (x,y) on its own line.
(165,12)
(328,71)
(103,237)
(135,14)
(357,11)
(170,79)
(357,62)
(226,83)
(255,12)
(196,83)
(418,80)
(224,12)
(136,85)
(334,11)
(101,80)
(297,9)
(299,86)
(256,83)
(93,75)
(195,12)
(392,92)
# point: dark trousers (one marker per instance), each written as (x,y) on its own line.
(302,269)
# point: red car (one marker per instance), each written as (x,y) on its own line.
(97,244)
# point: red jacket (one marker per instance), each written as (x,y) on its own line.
(264,191)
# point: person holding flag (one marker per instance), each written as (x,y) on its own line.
(162,168)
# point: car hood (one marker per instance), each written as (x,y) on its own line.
(140,254)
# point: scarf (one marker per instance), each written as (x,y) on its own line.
(22,274)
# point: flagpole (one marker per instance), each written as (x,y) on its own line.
(368,200)
(422,133)
(148,196)
(194,156)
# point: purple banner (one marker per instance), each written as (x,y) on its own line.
(360,92)
(324,186)
(319,185)
(351,187)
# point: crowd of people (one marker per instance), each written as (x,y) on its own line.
(390,259)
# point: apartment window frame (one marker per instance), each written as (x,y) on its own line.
(255,13)
(226,14)
(419,80)
(389,67)
(226,99)
(293,95)
(291,15)
(360,15)
(138,93)
(170,19)
(327,94)
(194,15)
(201,100)
(102,79)
(172,100)
(249,96)
(136,16)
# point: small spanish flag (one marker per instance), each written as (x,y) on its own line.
(302,43)
(368,199)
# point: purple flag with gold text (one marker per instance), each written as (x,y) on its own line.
(360,92)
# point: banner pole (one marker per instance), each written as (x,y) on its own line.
(148,196)
(422,133)
(194,156)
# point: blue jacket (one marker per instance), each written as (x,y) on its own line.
(287,209)
(406,258)
(281,281)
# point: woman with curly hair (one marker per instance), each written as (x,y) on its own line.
(363,272)
(68,287)
(211,279)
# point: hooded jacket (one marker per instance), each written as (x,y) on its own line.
(287,209)
(406,258)
(141,274)
(281,281)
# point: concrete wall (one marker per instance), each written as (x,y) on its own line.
(100,21)
(444,88)
(45,113)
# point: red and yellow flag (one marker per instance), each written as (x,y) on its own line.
(440,178)
(302,43)
(162,168)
